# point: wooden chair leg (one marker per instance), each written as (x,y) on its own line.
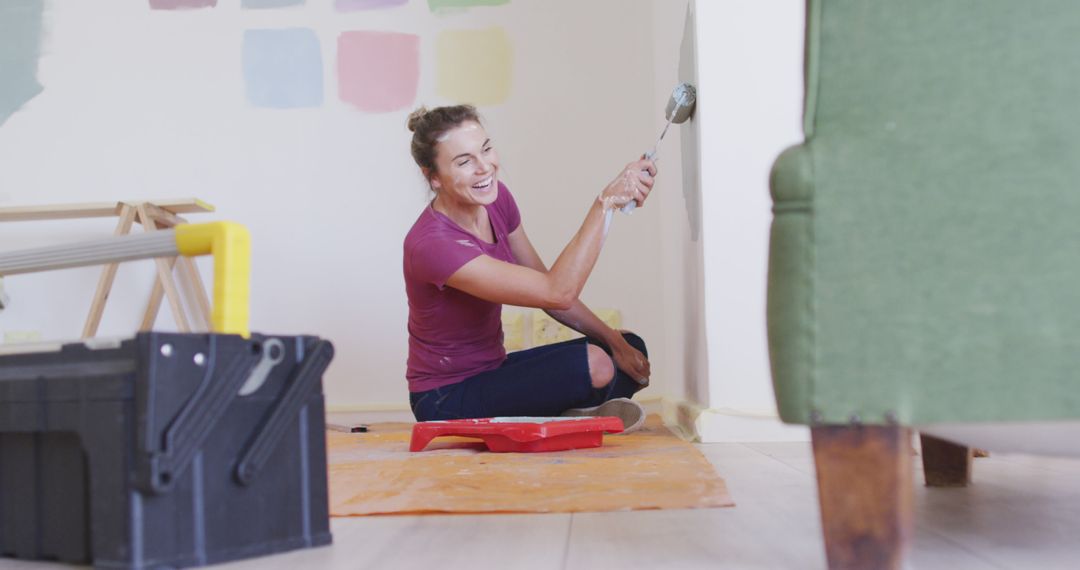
(864,478)
(945,464)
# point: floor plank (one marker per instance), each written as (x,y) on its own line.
(1064,465)
(523,542)
(798,456)
(1016,513)
(1020,512)
(754,484)
(706,538)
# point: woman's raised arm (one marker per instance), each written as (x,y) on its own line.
(558,288)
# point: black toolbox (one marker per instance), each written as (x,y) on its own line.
(164,450)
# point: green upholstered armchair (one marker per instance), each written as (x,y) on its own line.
(924,268)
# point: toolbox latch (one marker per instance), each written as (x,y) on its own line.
(308,375)
(187,433)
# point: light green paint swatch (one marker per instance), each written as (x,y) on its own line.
(437,5)
(474,66)
(20,44)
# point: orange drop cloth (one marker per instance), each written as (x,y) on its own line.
(374,473)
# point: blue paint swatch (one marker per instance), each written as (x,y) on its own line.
(283,68)
(261,4)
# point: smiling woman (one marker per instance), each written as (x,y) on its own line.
(468,254)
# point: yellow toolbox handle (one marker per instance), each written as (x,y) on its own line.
(230,244)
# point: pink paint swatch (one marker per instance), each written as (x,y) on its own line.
(378,72)
(181,4)
(353,5)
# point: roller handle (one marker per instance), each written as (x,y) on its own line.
(632,204)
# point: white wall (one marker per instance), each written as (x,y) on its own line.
(143,104)
(750,74)
(679,202)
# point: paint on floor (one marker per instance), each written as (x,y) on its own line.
(374,473)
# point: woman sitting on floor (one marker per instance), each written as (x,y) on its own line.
(467,255)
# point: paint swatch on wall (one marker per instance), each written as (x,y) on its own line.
(439,5)
(283,68)
(181,4)
(378,72)
(354,5)
(474,66)
(20,46)
(269,4)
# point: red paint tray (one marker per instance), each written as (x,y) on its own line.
(521,434)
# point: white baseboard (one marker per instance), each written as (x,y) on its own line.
(726,425)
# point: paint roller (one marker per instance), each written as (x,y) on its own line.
(680,108)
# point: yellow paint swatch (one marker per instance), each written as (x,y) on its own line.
(474,66)
(516,335)
(611,317)
(547,330)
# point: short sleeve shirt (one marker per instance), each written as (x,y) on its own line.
(453,335)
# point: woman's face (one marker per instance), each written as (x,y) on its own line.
(467,165)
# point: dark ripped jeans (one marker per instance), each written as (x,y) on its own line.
(542,381)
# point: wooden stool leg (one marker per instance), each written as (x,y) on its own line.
(189,282)
(150,316)
(864,478)
(945,464)
(192,281)
(108,275)
(165,276)
(157,294)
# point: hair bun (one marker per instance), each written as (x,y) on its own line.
(416,117)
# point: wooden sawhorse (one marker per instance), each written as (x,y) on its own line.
(151,215)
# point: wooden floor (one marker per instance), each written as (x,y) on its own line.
(1022,512)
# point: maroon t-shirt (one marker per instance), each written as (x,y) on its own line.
(453,335)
